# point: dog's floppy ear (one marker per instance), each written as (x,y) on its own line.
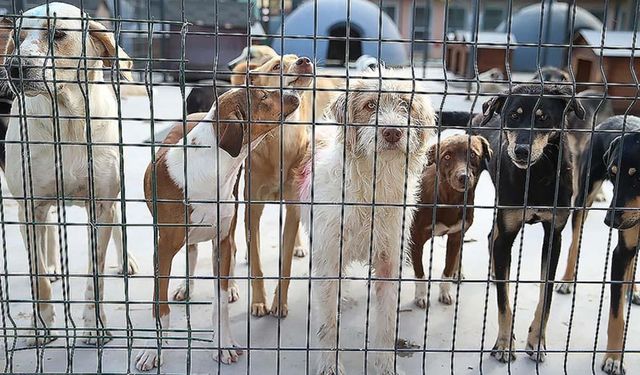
(231,134)
(487,151)
(490,107)
(109,49)
(611,152)
(337,112)
(6,24)
(431,154)
(573,104)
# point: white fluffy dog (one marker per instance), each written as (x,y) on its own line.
(377,115)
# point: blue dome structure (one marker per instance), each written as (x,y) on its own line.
(525,26)
(332,22)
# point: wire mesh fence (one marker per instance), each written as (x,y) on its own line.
(319,187)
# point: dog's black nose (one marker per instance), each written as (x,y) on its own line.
(14,67)
(462,178)
(303,61)
(521,151)
(391,135)
(613,219)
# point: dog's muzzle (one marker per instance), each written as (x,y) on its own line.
(23,76)
(616,220)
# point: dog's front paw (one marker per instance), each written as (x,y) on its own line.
(536,348)
(503,350)
(181,293)
(259,309)
(612,364)
(132,266)
(565,287)
(445,293)
(279,310)
(299,251)
(227,353)
(41,333)
(234,293)
(96,337)
(147,359)
(329,368)
(420,297)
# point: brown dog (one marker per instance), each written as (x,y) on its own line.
(454,177)
(211,175)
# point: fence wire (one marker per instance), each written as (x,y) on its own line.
(338,160)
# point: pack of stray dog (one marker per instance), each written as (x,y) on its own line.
(361,166)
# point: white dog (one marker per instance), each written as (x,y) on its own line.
(51,45)
(395,144)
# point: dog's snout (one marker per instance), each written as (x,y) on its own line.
(391,135)
(462,178)
(521,151)
(613,218)
(303,61)
(291,102)
(15,67)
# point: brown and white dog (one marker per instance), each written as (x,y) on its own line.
(212,175)
(377,116)
(447,161)
(46,107)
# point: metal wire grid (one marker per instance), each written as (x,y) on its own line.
(12,330)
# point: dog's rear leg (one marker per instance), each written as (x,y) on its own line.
(635,293)
(35,242)
(225,351)
(621,266)
(454,243)
(131,267)
(170,240)
(253,213)
(419,236)
(279,307)
(182,292)
(578,218)
(536,341)
(95,322)
(503,238)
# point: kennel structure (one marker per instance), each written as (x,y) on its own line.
(337,21)
(549,25)
(493,51)
(614,67)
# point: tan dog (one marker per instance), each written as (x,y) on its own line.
(228,147)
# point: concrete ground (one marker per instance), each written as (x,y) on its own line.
(457,337)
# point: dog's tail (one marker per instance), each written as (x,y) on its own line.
(454,120)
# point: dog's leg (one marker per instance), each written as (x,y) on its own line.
(95,323)
(635,293)
(170,240)
(420,234)
(234,292)
(503,234)
(253,213)
(225,351)
(279,307)
(454,241)
(53,250)
(386,267)
(300,249)
(35,242)
(536,341)
(181,293)
(325,296)
(623,259)
(116,234)
(578,218)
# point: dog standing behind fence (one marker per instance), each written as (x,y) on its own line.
(35,166)
(376,132)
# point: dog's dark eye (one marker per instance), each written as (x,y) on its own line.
(265,95)
(473,155)
(515,115)
(58,35)
(446,157)
(371,104)
(543,117)
(276,67)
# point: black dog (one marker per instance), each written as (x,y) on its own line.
(614,157)
(531,167)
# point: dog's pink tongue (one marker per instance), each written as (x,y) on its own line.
(304,181)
